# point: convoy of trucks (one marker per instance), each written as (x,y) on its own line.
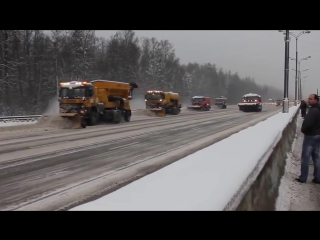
(86,103)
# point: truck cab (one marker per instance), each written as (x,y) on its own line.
(250,102)
(201,103)
(154,99)
(220,102)
(163,103)
(279,102)
(74,97)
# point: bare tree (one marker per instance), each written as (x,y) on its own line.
(33,63)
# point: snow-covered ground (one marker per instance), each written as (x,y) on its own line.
(205,180)
(295,196)
(10,124)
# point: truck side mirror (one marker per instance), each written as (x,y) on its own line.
(130,93)
(133,85)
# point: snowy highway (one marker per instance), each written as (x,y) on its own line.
(60,168)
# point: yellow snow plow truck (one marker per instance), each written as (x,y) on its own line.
(85,103)
(162,103)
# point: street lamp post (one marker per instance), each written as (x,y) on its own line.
(302,84)
(296,78)
(300,87)
(304,80)
(299,74)
(306,58)
(285,104)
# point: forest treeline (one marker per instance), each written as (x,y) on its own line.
(33,62)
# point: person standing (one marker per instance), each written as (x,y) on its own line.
(303,108)
(311,142)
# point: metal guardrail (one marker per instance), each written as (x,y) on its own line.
(30,118)
(268,103)
(11,119)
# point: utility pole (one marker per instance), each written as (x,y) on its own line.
(300,82)
(296,36)
(285,104)
(296,80)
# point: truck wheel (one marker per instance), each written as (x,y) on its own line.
(116,117)
(127,116)
(92,118)
(83,123)
(174,111)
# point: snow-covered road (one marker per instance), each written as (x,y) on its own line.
(10,124)
(214,178)
(53,169)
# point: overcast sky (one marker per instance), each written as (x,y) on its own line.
(257,54)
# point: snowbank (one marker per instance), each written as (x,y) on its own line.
(205,180)
(10,124)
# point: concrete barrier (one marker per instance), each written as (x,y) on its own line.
(263,192)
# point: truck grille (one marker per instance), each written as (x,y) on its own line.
(69,108)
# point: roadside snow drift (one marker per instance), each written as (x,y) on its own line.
(205,180)
(10,124)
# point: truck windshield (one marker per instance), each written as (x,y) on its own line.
(154,96)
(72,93)
(251,99)
(219,100)
(197,100)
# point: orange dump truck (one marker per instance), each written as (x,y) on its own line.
(84,103)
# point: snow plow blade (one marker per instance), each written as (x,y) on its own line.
(194,107)
(159,112)
(75,119)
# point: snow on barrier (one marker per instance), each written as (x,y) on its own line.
(219,177)
(264,192)
(10,124)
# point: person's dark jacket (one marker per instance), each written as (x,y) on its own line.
(303,105)
(311,123)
